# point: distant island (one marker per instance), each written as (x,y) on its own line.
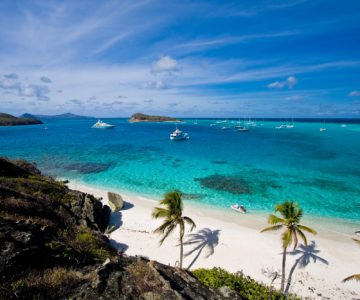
(138,117)
(62,116)
(9,120)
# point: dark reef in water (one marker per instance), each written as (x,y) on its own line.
(233,185)
(219,162)
(87,168)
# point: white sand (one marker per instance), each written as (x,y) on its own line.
(237,245)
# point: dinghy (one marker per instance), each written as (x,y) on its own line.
(239,209)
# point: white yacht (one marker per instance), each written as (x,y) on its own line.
(102,125)
(178,135)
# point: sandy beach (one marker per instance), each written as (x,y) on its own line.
(234,242)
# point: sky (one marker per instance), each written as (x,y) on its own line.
(291,58)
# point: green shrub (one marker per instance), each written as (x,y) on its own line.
(244,285)
(63,250)
(92,247)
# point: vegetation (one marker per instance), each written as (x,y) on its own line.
(355,276)
(292,215)
(9,120)
(172,215)
(244,285)
(138,117)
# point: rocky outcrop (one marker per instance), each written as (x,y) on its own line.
(138,117)
(115,201)
(51,247)
(137,278)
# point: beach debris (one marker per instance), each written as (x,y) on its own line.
(233,185)
(115,201)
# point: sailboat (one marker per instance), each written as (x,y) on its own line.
(323,128)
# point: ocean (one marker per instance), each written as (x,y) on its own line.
(214,168)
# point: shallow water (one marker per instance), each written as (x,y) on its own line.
(319,170)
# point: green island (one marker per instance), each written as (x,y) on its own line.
(54,244)
(9,120)
(138,117)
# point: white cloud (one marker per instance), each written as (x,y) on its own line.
(276,84)
(294,98)
(290,82)
(33,90)
(159,84)
(25,90)
(165,64)
(354,94)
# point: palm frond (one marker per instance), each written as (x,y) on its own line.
(302,235)
(352,277)
(271,228)
(308,229)
(190,222)
(167,231)
(160,212)
(163,226)
(272,219)
(287,238)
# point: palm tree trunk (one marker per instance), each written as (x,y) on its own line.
(283,270)
(181,243)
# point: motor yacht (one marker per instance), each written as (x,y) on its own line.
(178,135)
(102,125)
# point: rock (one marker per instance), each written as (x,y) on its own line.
(115,201)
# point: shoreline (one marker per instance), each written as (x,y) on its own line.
(235,243)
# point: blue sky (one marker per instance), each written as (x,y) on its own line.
(293,58)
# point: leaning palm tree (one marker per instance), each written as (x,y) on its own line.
(291,214)
(355,276)
(172,215)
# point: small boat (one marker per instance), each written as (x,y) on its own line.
(238,126)
(357,232)
(178,135)
(211,125)
(343,125)
(239,209)
(102,125)
(225,127)
(243,129)
(323,128)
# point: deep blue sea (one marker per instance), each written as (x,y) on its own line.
(258,168)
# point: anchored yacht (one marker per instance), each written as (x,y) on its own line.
(102,125)
(178,135)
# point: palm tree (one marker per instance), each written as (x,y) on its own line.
(355,276)
(291,214)
(172,213)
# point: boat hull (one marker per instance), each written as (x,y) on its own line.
(238,209)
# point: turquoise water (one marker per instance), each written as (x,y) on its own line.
(319,170)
